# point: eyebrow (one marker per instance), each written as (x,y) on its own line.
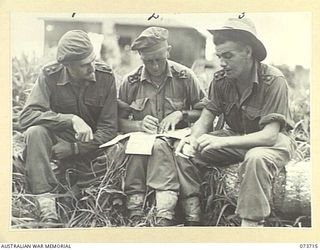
(223,53)
(154,59)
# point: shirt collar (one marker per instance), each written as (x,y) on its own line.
(146,76)
(65,78)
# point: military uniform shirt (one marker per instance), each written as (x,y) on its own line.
(179,91)
(265,101)
(54,99)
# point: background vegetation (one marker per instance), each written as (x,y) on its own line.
(102,202)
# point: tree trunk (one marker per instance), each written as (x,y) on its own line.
(291,188)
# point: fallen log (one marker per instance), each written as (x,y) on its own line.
(291,192)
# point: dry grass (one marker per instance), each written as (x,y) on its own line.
(101,203)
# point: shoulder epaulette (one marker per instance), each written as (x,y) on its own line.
(52,68)
(219,75)
(102,67)
(180,74)
(135,77)
(269,73)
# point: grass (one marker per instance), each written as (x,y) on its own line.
(101,203)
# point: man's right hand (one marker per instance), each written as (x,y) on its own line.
(193,145)
(82,129)
(149,124)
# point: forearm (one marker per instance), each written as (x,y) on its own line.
(99,138)
(203,125)
(49,119)
(266,137)
(128,126)
(37,110)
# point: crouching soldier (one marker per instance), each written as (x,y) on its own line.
(254,100)
(71,110)
(160,95)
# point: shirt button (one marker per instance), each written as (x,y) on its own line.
(243,107)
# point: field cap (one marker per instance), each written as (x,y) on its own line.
(75,45)
(151,40)
(246,27)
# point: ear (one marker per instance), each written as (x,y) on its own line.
(168,50)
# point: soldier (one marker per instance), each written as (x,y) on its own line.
(71,110)
(254,100)
(158,96)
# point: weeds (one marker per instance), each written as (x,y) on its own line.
(101,202)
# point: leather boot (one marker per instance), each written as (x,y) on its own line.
(192,211)
(47,204)
(135,208)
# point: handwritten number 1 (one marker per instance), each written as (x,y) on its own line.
(242,15)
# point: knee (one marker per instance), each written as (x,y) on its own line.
(36,132)
(257,162)
(254,154)
(159,144)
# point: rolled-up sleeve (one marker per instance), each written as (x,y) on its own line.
(37,110)
(213,104)
(123,100)
(276,107)
(196,95)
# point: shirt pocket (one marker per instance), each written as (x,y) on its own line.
(251,112)
(94,101)
(65,105)
(175,103)
(138,107)
(94,106)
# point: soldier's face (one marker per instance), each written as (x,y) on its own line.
(233,58)
(81,71)
(155,63)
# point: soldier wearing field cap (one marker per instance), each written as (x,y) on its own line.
(158,96)
(253,97)
(71,110)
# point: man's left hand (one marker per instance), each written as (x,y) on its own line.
(170,121)
(62,149)
(207,142)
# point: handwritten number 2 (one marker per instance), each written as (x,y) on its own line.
(153,16)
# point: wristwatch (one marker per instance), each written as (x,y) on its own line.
(185,115)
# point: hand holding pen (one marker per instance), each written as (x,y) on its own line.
(150,124)
(170,121)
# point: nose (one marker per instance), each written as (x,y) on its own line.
(91,67)
(155,64)
(223,63)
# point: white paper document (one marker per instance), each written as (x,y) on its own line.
(115,140)
(142,143)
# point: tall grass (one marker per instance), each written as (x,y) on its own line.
(101,202)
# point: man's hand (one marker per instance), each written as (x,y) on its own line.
(206,142)
(62,149)
(170,121)
(82,129)
(149,124)
(189,143)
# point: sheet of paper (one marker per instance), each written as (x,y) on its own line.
(177,134)
(140,143)
(114,140)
